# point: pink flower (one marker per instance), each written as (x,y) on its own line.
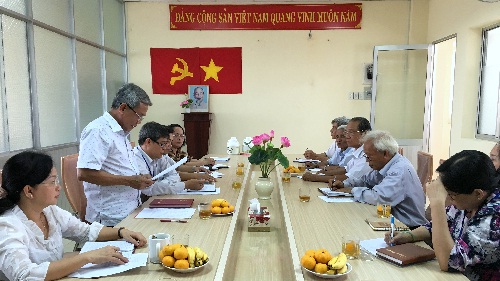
(265,137)
(285,142)
(271,134)
(182,103)
(257,140)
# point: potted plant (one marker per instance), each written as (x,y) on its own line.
(186,103)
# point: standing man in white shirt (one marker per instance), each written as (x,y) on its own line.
(106,163)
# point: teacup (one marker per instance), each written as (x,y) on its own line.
(156,242)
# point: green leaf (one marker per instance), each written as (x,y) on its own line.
(283,160)
(258,156)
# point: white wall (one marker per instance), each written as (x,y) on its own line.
(292,84)
(465,18)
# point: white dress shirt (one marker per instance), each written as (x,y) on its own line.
(341,158)
(357,166)
(396,184)
(169,183)
(331,150)
(24,252)
(104,146)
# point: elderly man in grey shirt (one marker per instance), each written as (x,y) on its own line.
(392,181)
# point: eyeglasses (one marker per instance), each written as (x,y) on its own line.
(55,182)
(350,132)
(162,145)
(178,135)
(138,116)
(366,156)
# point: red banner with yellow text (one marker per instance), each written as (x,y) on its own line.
(266,17)
(173,70)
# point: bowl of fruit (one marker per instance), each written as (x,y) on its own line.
(322,264)
(221,207)
(183,259)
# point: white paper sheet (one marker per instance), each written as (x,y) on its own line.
(303,160)
(216,174)
(166,213)
(171,168)
(330,193)
(336,199)
(135,260)
(197,192)
(372,245)
(207,187)
(221,159)
(123,245)
(314,170)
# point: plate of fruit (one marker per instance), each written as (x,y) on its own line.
(183,259)
(221,207)
(294,171)
(322,264)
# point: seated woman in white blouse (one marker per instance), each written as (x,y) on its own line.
(32,227)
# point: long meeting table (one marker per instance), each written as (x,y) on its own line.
(237,254)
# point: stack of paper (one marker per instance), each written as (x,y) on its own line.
(106,269)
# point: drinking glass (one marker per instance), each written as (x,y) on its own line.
(205,210)
(304,194)
(350,247)
(383,210)
(286,177)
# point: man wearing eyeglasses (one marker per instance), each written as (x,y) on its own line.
(392,181)
(356,166)
(106,163)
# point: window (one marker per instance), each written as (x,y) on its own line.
(54,56)
(489,107)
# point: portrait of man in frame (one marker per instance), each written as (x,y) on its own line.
(199,94)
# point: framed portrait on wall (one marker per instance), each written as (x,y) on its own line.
(199,95)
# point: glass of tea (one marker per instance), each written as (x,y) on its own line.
(205,210)
(286,176)
(304,194)
(383,210)
(237,182)
(350,247)
(302,167)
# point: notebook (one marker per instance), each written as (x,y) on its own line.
(405,254)
(171,203)
(385,225)
(328,192)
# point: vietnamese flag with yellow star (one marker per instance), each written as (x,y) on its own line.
(172,70)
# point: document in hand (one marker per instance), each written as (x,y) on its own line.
(405,254)
(385,225)
(328,192)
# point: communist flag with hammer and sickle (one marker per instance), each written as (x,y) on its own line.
(173,70)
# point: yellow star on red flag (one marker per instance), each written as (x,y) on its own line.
(211,71)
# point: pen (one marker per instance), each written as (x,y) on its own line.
(392,229)
(182,221)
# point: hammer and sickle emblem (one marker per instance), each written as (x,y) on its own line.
(184,72)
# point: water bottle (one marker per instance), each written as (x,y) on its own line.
(247,144)
(233,146)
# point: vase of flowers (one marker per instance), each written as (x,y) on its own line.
(186,103)
(265,154)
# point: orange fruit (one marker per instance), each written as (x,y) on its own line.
(181,264)
(231,208)
(322,256)
(224,204)
(216,210)
(168,261)
(310,253)
(320,268)
(225,210)
(181,253)
(308,262)
(217,202)
(168,250)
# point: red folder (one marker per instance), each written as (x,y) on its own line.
(171,203)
